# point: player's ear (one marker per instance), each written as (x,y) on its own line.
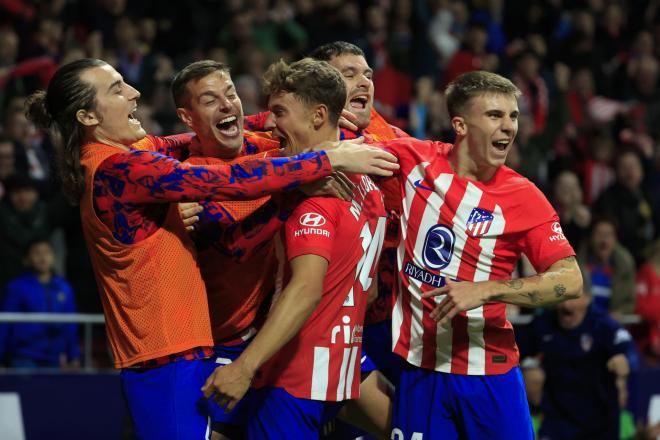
(459,125)
(88,118)
(185,116)
(319,115)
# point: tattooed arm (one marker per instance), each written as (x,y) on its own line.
(561,281)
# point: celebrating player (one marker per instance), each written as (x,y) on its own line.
(466,219)
(309,347)
(153,295)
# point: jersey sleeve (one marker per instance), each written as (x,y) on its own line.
(239,239)
(256,122)
(543,242)
(311,228)
(617,339)
(175,145)
(140,177)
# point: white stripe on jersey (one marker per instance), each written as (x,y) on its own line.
(320,373)
(342,373)
(351,372)
(397,312)
(429,219)
(475,317)
(415,174)
(487,244)
(476,321)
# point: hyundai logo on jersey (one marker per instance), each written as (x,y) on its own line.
(312,219)
(479,222)
(438,247)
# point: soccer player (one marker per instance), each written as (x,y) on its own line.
(153,295)
(466,219)
(308,350)
(208,104)
(350,61)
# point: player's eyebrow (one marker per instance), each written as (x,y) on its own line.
(208,93)
(115,84)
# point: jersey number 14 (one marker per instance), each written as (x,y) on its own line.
(372,244)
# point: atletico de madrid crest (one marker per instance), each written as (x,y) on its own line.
(479,222)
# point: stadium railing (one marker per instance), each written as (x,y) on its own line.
(88,320)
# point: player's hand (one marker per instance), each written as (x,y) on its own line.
(458,297)
(227,385)
(347,120)
(188,213)
(337,185)
(353,157)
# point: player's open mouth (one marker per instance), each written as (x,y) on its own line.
(131,117)
(228,126)
(359,102)
(501,144)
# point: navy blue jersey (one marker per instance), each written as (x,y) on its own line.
(579,389)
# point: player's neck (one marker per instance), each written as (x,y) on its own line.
(465,166)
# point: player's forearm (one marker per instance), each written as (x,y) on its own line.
(289,314)
(562,281)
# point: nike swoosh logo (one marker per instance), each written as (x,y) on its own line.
(419,184)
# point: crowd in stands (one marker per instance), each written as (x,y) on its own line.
(589,130)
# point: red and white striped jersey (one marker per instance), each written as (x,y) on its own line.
(467,231)
(322,362)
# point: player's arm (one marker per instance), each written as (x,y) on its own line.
(146,177)
(561,281)
(175,145)
(240,239)
(228,384)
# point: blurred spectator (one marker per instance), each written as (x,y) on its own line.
(39,291)
(628,202)
(584,357)
(472,55)
(419,107)
(574,215)
(611,269)
(23,218)
(598,171)
(648,305)
(534,99)
(7,163)
(31,158)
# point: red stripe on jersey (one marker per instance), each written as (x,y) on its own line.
(428,338)
(499,334)
(459,344)
(402,343)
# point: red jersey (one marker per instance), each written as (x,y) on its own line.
(322,362)
(467,231)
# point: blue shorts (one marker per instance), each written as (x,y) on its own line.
(452,406)
(279,415)
(377,344)
(166,402)
(366,365)
(227,423)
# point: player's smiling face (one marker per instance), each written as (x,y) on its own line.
(293,120)
(358,77)
(490,124)
(215,114)
(113,119)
